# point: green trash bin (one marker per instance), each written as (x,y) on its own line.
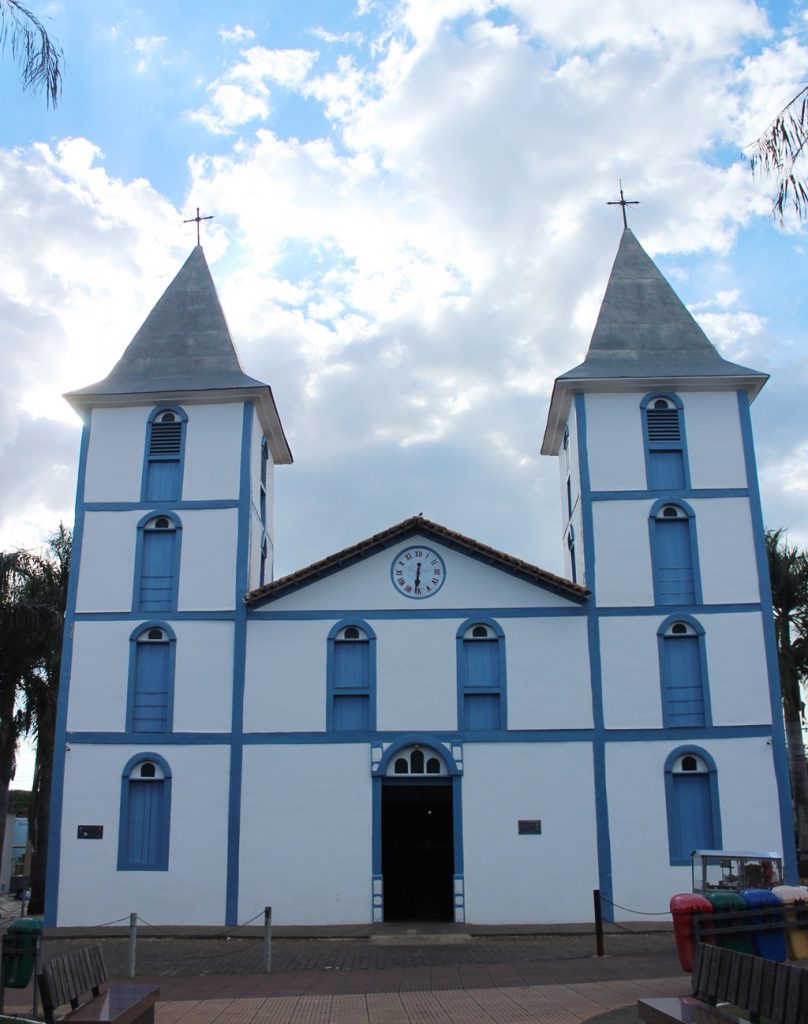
(724,902)
(20,946)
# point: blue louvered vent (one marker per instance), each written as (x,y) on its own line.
(165,439)
(663,425)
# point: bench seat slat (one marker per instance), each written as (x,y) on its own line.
(79,976)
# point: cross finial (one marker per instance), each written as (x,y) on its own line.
(197,219)
(622,202)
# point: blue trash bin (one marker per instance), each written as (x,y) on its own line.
(769,944)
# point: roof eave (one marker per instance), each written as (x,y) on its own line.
(260,394)
(565,388)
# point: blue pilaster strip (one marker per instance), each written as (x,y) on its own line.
(239,668)
(593,633)
(779,751)
(60,742)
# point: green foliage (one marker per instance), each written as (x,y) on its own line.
(788,569)
(18,802)
(39,58)
(780,152)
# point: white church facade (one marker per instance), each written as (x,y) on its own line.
(419,727)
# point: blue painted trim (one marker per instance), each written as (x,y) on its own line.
(779,752)
(165,821)
(368,691)
(171,670)
(147,460)
(175,556)
(457,826)
(704,678)
(376,614)
(715,806)
(239,668)
(376,827)
(675,495)
(499,689)
(616,611)
(651,446)
(582,735)
(160,506)
(60,743)
(653,526)
(605,880)
(173,616)
(424,739)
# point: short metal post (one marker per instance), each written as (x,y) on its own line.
(132,952)
(37,957)
(267,939)
(598,922)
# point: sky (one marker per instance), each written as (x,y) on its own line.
(410,235)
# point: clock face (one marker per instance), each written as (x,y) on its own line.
(418,572)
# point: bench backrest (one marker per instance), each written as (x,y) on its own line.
(65,978)
(764,988)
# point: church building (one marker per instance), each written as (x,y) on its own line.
(418,727)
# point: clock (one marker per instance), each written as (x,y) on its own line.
(418,572)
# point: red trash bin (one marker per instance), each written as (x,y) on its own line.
(683,906)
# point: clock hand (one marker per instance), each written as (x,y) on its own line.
(417,574)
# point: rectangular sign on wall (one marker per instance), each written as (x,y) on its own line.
(529,827)
(90,832)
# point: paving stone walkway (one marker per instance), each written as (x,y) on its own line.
(455,979)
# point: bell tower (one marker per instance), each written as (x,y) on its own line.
(662,522)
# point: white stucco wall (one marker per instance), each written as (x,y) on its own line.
(212,452)
(192,890)
(548,673)
(285,688)
(114,468)
(726,551)
(614,442)
(306,836)
(737,669)
(203,682)
(106,561)
(417,675)
(630,673)
(208,560)
(714,440)
(622,553)
(99,676)
(523,879)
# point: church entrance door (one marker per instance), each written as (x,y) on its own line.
(417,850)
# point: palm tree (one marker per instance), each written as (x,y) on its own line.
(788,569)
(780,152)
(39,58)
(22,623)
(46,586)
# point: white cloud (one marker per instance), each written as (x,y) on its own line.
(237,34)
(149,47)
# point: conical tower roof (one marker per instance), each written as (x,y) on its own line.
(184,349)
(183,345)
(644,338)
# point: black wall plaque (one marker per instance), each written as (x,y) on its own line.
(529,827)
(91,832)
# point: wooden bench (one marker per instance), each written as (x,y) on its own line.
(763,988)
(71,978)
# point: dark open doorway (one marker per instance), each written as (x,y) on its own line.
(417,851)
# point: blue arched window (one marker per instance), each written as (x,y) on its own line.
(145,814)
(481,675)
(691,791)
(663,431)
(683,673)
(151,679)
(351,677)
(165,447)
(674,555)
(157,563)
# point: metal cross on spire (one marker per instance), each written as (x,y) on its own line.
(622,202)
(198,220)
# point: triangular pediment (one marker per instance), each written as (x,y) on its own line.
(395,537)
